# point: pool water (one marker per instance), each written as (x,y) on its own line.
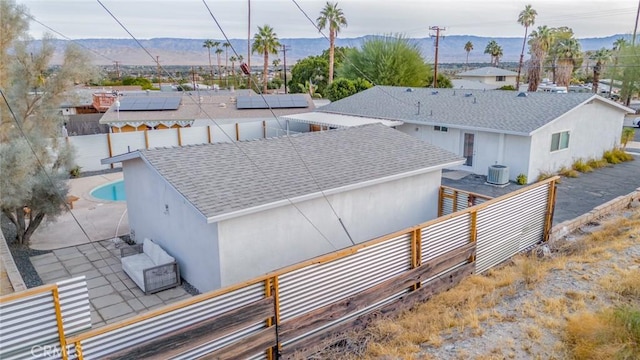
(112,192)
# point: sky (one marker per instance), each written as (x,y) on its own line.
(145,19)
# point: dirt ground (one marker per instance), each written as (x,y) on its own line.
(526,309)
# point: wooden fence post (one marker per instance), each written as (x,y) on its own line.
(109,146)
(551,205)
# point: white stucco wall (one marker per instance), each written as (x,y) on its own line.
(158,212)
(516,156)
(491,80)
(255,244)
(593,128)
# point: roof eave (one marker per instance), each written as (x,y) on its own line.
(121,158)
(279,203)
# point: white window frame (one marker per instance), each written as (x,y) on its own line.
(561,142)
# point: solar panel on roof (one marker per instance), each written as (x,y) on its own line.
(271,101)
(144,103)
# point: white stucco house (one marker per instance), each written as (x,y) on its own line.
(229,212)
(529,133)
(489,75)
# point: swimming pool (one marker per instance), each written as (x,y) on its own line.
(112,191)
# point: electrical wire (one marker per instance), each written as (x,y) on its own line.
(224,132)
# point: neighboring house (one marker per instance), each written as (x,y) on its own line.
(528,132)
(472,85)
(229,212)
(162,110)
(490,75)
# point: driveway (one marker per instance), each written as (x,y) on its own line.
(575,196)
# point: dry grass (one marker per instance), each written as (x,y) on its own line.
(544,175)
(567,172)
(597,163)
(616,156)
(468,309)
(581,166)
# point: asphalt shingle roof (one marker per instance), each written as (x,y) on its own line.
(490,110)
(228,177)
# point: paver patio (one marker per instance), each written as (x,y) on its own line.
(113,296)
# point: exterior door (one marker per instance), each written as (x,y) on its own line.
(467,150)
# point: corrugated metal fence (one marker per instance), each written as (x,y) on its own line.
(36,322)
(297,309)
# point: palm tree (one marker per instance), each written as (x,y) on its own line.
(218,52)
(332,16)
(526,18)
(601,57)
(540,41)
(617,46)
(276,63)
(226,45)
(468,47)
(567,51)
(209,44)
(266,42)
(233,60)
(493,49)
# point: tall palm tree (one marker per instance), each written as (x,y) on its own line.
(568,51)
(266,42)
(209,44)
(540,41)
(601,57)
(233,60)
(468,47)
(526,18)
(332,16)
(617,46)
(226,45)
(218,52)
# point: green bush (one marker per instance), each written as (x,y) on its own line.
(75,171)
(507,87)
(521,179)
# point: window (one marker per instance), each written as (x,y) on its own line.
(501,78)
(560,141)
(440,128)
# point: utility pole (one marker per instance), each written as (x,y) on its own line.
(635,29)
(437,29)
(249,44)
(158,71)
(284,55)
(117,69)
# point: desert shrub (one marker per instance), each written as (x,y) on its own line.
(581,166)
(544,175)
(597,163)
(567,172)
(616,156)
(521,179)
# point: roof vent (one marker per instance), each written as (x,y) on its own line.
(409,90)
(434,93)
(522,94)
(468,95)
(222,105)
(498,175)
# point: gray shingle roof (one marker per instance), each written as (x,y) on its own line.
(488,71)
(490,110)
(226,177)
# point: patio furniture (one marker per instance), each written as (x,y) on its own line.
(150,267)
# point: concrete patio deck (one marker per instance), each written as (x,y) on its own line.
(99,218)
(113,296)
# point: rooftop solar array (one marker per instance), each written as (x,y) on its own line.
(272,101)
(149,103)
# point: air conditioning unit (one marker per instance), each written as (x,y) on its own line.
(498,175)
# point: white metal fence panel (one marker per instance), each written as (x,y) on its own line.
(317,285)
(74,305)
(223,133)
(90,149)
(509,226)
(194,135)
(163,138)
(251,130)
(442,237)
(29,327)
(127,141)
(148,329)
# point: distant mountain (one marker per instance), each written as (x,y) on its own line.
(172,51)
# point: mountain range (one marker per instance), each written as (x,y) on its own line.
(174,51)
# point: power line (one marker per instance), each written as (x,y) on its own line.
(221,129)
